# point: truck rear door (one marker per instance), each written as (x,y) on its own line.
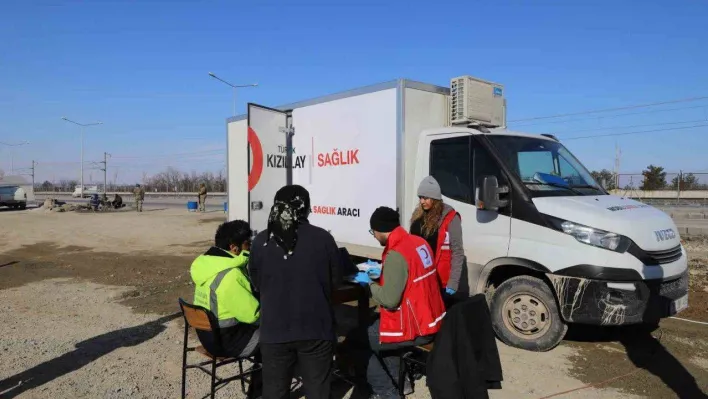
(268,161)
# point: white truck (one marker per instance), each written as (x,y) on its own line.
(543,240)
(13,197)
(86,192)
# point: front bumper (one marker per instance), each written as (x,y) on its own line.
(590,301)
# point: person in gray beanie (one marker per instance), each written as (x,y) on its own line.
(441,226)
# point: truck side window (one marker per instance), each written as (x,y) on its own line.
(451,166)
(485,165)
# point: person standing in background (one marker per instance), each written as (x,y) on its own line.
(202,197)
(139,195)
(441,226)
(295,266)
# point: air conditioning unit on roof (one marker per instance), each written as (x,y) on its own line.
(477,102)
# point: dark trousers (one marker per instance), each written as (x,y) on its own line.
(314,361)
(382,359)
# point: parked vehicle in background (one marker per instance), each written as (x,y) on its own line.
(13,197)
(88,191)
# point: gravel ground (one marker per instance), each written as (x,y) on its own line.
(89,310)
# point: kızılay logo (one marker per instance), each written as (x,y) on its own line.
(277,161)
(257,165)
(282,160)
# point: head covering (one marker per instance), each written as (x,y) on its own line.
(384,220)
(290,206)
(429,188)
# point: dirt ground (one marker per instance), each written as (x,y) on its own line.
(89,309)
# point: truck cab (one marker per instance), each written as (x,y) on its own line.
(546,243)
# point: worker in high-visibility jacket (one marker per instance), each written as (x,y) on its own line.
(222,285)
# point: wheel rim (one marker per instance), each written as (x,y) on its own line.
(526,316)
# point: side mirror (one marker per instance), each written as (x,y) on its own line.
(488,194)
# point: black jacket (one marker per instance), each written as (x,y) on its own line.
(464,362)
(296,293)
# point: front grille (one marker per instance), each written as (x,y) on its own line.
(666,256)
(674,289)
(655,257)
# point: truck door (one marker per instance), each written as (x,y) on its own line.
(458,162)
(267,163)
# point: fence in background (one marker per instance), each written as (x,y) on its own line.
(685,189)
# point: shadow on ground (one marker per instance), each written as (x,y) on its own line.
(616,356)
(86,352)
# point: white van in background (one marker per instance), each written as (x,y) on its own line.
(13,197)
(88,191)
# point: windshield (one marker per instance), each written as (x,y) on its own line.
(546,167)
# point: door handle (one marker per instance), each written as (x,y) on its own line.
(256,205)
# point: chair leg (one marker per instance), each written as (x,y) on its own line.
(402,375)
(184,361)
(242,379)
(213,378)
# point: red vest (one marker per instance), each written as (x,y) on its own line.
(422,307)
(443,254)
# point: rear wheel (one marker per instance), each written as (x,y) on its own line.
(525,315)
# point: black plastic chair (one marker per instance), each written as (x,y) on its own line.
(203,320)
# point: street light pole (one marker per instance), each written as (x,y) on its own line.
(233,86)
(82,126)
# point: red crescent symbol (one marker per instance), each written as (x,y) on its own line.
(257,165)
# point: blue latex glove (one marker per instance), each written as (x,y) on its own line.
(450,291)
(362,278)
(373,263)
(374,271)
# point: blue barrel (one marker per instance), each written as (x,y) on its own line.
(192,206)
(226,207)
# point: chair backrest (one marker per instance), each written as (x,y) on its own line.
(197,317)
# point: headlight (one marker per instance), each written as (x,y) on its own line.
(592,236)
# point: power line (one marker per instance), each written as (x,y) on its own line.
(654,111)
(629,133)
(596,111)
(205,152)
(628,127)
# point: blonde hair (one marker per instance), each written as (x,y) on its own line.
(430,218)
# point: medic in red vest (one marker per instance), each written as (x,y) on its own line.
(441,226)
(411,306)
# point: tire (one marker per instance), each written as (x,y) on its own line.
(23,207)
(538,326)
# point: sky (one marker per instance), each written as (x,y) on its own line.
(142,68)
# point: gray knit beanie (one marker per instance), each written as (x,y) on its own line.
(429,188)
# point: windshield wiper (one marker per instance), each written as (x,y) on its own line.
(555,185)
(588,186)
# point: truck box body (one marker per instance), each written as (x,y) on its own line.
(353,152)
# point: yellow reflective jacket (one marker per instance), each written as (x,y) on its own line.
(222,286)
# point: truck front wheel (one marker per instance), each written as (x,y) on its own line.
(525,315)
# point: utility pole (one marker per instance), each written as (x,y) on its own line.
(678,187)
(618,155)
(34,164)
(105,172)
